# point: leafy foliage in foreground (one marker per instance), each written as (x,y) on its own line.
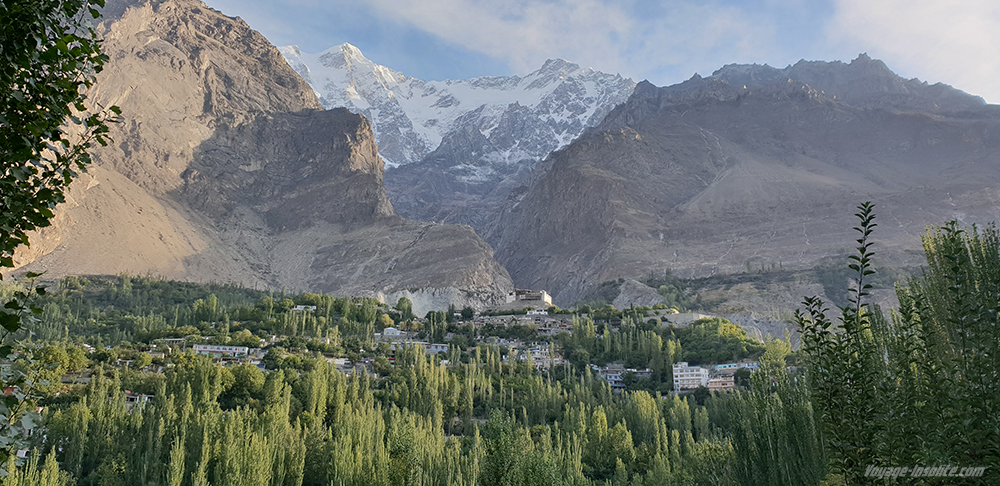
(49,53)
(919,387)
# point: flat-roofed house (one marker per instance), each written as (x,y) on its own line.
(689,377)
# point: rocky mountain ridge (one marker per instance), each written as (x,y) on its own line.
(864,83)
(413,117)
(459,146)
(751,167)
(228,169)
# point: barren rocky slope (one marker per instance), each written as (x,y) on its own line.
(752,167)
(228,169)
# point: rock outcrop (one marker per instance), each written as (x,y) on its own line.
(633,293)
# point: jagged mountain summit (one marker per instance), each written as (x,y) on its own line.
(228,169)
(752,168)
(412,117)
(862,83)
(459,147)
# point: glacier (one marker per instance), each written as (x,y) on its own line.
(523,118)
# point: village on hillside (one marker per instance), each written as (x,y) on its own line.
(527,329)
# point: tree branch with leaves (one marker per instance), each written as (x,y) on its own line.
(49,55)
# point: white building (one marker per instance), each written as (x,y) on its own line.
(532,296)
(614,374)
(343,365)
(219,351)
(683,319)
(434,348)
(429,348)
(689,377)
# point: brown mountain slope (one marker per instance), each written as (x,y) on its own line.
(710,177)
(227,169)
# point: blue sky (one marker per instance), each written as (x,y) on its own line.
(664,41)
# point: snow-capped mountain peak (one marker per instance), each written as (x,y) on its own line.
(411,117)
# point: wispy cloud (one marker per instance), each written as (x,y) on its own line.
(950,42)
(664,41)
(641,39)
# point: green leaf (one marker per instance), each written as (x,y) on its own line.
(28,421)
(10,322)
